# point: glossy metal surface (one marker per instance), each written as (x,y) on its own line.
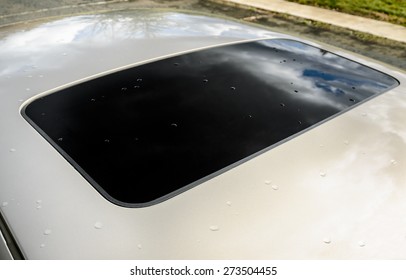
(336,191)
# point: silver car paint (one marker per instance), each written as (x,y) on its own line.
(336,191)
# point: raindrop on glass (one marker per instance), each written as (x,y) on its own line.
(139,80)
(214,228)
(123,89)
(296,91)
(174,125)
(352,100)
(233,88)
(106,140)
(282,104)
(93,100)
(205,81)
(136,87)
(47,232)
(98,225)
(353,87)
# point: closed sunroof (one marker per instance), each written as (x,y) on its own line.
(143,134)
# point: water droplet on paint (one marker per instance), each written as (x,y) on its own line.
(323,174)
(38,207)
(275,187)
(205,81)
(12,150)
(27,89)
(139,246)
(98,225)
(327,240)
(174,125)
(214,228)
(393,162)
(233,88)
(42,245)
(228,203)
(47,232)
(267,182)
(361,244)
(60,139)
(346,142)
(4,204)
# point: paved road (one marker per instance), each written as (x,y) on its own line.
(391,52)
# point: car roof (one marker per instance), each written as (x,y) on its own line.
(335,191)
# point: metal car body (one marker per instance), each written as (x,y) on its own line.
(335,190)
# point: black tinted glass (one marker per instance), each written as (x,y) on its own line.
(142,133)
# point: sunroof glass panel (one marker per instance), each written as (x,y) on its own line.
(145,133)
